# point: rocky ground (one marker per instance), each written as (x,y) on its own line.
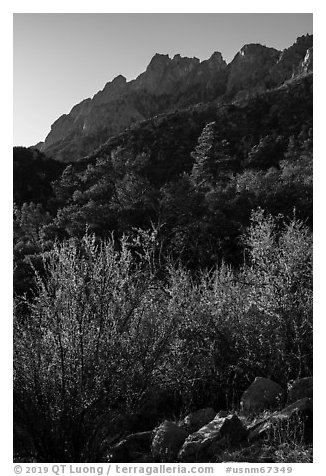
(265,429)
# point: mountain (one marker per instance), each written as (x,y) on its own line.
(170,84)
(251,68)
(171,259)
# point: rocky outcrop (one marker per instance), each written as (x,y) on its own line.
(171,442)
(299,389)
(295,421)
(165,83)
(162,74)
(262,394)
(307,64)
(291,60)
(210,439)
(170,83)
(132,448)
(38,146)
(198,419)
(251,68)
(167,441)
(112,91)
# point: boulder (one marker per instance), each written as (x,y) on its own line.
(221,414)
(168,439)
(131,448)
(295,421)
(299,389)
(206,442)
(198,419)
(300,412)
(262,394)
(304,405)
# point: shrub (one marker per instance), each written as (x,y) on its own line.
(91,346)
(108,328)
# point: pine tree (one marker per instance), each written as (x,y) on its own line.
(212,158)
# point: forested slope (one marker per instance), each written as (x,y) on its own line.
(163,272)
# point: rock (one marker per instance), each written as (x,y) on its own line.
(198,419)
(233,430)
(302,405)
(292,60)
(168,84)
(206,442)
(163,74)
(307,63)
(259,429)
(167,441)
(222,414)
(250,67)
(262,394)
(300,388)
(300,412)
(294,421)
(131,448)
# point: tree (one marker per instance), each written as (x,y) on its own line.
(64,187)
(33,173)
(267,153)
(212,156)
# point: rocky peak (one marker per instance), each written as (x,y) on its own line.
(181,66)
(215,62)
(111,91)
(291,59)
(163,72)
(183,59)
(158,63)
(171,83)
(304,41)
(250,67)
(255,51)
(210,74)
(119,80)
(217,58)
(297,50)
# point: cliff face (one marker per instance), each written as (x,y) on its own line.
(169,84)
(162,74)
(307,63)
(257,67)
(250,67)
(290,61)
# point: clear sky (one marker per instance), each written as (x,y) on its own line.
(61,59)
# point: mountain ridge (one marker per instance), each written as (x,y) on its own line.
(169,83)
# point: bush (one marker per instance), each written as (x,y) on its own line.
(91,346)
(109,328)
(279,296)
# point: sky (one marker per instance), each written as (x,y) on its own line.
(60,59)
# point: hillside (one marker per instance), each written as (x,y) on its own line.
(169,84)
(163,268)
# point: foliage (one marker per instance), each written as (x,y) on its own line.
(188,311)
(280,295)
(33,173)
(29,241)
(108,326)
(212,156)
(90,347)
